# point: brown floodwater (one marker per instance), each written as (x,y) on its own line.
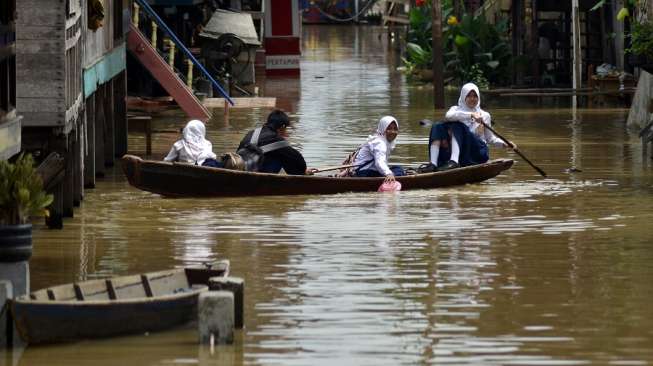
(517,270)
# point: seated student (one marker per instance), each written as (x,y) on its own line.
(462,140)
(372,157)
(277,156)
(192,148)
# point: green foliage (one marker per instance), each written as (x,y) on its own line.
(474,50)
(641,32)
(477,50)
(641,39)
(21,192)
(475,75)
(419,37)
(418,56)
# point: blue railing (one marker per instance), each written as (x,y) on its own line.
(178,43)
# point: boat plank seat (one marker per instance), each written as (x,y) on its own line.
(62,293)
(129,287)
(92,290)
(168,282)
(40,295)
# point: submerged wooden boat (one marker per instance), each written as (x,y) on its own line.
(114,306)
(185,180)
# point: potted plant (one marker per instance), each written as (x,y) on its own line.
(21,196)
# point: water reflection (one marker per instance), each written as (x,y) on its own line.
(516,270)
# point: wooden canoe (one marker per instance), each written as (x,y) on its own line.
(114,306)
(185,180)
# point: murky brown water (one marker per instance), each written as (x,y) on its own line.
(516,270)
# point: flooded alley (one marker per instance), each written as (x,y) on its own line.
(517,270)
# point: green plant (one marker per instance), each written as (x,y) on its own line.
(475,75)
(475,43)
(21,192)
(641,39)
(641,31)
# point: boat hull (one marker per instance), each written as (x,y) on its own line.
(114,306)
(42,322)
(184,180)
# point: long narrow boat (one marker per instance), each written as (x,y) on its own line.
(185,180)
(114,306)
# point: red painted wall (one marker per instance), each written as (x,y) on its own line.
(282,17)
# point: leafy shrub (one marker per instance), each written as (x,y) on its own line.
(21,192)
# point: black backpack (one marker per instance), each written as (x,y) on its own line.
(252,154)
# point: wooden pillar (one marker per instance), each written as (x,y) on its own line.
(120,117)
(69,176)
(109,136)
(89,142)
(78,184)
(438,66)
(100,130)
(533,39)
(517,13)
(577,58)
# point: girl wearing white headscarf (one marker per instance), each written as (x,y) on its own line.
(469,112)
(193,147)
(472,141)
(372,157)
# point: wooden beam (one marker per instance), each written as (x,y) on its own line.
(257,102)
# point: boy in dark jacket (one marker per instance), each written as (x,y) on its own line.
(286,157)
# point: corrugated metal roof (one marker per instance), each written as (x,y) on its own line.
(225,21)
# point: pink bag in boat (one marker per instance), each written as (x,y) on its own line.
(393,186)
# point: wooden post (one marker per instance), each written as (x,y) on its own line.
(78,154)
(189,75)
(148,137)
(154,30)
(577,63)
(356,11)
(120,90)
(69,177)
(89,143)
(590,85)
(517,14)
(135,17)
(533,39)
(438,66)
(171,53)
(110,136)
(100,130)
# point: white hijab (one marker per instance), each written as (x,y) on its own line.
(384,122)
(193,142)
(462,106)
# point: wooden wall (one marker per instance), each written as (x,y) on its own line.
(48,57)
(109,36)
(10,126)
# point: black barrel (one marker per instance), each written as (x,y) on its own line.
(15,243)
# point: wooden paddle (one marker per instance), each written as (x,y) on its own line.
(333,168)
(426,122)
(516,150)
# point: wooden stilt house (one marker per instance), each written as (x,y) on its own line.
(541,32)
(69,85)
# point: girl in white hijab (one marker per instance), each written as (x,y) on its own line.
(372,157)
(468,112)
(193,147)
